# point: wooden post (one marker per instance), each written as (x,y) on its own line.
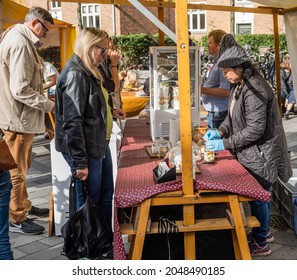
(185,121)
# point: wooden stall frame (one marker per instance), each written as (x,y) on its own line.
(181,7)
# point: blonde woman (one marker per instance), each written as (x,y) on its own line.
(84,119)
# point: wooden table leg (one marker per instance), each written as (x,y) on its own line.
(189,237)
(239,236)
(137,247)
(51,220)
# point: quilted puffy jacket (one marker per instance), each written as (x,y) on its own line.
(255,132)
(80,110)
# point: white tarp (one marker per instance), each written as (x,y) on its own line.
(291,34)
(285,4)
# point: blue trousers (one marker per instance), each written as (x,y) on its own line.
(100,184)
(261,210)
(5,189)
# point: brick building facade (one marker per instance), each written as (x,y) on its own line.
(117,23)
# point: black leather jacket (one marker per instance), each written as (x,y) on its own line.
(80,110)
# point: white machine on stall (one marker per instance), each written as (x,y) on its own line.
(164,89)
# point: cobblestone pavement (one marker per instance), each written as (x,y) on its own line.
(42,247)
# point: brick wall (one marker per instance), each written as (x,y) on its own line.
(127,26)
(262,23)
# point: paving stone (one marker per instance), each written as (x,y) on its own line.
(31,248)
(18,254)
(46,254)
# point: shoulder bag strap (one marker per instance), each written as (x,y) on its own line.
(72,197)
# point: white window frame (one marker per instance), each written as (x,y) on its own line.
(54,5)
(197,13)
(247,23)
(89,15)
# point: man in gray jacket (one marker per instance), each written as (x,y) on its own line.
(22,108)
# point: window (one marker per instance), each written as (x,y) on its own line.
(56,10)
(90,14)
(244,28)
(197,20)
(55,4)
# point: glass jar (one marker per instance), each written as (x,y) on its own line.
(209,156)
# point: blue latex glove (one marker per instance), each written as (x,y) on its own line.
(211,134)
(215,145)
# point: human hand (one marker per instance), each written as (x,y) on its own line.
(215,145)
(114,56)
(119,114)
(122,75)
(211,134)
(82,174)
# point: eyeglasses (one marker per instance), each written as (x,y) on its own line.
(44,27)
(102,49)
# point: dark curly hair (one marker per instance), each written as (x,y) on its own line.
(248,70)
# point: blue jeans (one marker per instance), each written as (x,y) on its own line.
(214,119)
(5,189)
(261,210)
(100,184)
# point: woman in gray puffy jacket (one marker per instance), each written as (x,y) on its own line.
(254,133)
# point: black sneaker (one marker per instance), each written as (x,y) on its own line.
(286,116)
(36,212)
(26,227)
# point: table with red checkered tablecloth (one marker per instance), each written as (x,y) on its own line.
(135,181)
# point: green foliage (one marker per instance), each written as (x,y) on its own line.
(136,46)
(255,41)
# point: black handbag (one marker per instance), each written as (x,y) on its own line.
(85,234)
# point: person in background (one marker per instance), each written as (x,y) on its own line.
(287,90)
(50,77)
(23,108)
(191,42)
(216,89)
(5,190)
(111,77)
(253,131)
(84,120)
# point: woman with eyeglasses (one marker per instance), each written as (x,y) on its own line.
(84,119)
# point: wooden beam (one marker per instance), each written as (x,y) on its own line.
(167,4)
(289,10)
(161,18)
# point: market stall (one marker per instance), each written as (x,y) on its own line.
(187,198)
